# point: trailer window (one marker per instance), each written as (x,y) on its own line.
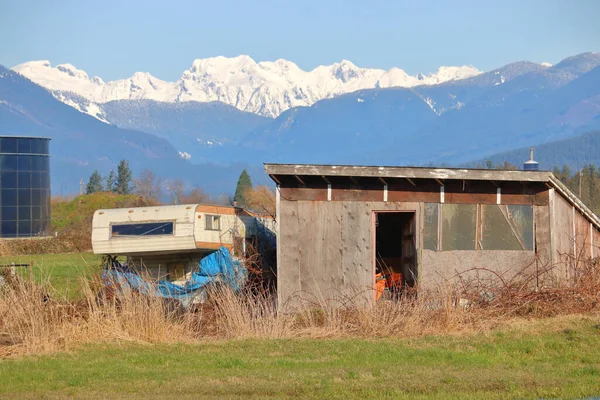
(143,229)
(213,223)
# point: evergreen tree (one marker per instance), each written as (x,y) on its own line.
(95,183)
(122,185)
(244,183)
(111,181)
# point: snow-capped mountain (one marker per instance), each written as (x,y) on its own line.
(264,88)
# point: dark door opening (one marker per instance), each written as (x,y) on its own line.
(395,250)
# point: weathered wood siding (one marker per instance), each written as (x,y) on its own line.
(595,242)
(326,250)
(563,236)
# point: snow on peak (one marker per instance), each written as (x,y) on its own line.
(546,64)
(267,88)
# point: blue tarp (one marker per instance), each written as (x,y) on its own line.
(218,266)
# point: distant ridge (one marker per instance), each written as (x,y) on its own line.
(264,88)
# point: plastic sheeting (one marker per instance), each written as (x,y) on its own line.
(216,267)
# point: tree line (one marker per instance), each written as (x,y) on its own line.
(585,183)
(174,191)
(119,183)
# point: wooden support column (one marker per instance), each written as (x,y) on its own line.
(591,240)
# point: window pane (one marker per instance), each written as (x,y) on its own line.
(36,180)
(24,145)
(458,226)
(24,228)
(8,180)
(143,229)
(36,227)
(44,180)
(9,163)
(9,228)
(36,212)
(9,197)
(25,163)
(36,163)
(24,213)
(9,213)
(8,145)
(24,197)
(213,223)
(507,227)
(24,179)
(430,239)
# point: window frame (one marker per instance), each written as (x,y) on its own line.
(118,236)
(212,218)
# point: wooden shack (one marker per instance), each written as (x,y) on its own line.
(338,225)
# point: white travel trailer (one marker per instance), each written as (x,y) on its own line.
(169,241)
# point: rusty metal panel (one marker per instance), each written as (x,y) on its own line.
(469,198)
(542,198)
(357,194)
(303,193)
(413,196)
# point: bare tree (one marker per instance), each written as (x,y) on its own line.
(176,189)
(196,195)
(148,186)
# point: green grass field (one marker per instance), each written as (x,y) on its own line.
(546,358)
(61,271)
(555,358)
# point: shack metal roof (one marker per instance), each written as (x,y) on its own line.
(440,174)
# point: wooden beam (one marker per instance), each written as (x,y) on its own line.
(439,182)
(382,181)
(353,179)
(407,172)
(275,179)
(411,182)
(326,180)
(300,180)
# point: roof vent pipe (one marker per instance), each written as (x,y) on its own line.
(531,164)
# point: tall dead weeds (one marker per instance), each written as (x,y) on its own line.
(33,322)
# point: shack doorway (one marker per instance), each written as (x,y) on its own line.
(395,252)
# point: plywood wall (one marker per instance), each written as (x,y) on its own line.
(326,251)
(575,239)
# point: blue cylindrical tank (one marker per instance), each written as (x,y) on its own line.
(24,186)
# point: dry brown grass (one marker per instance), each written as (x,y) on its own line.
(32,322)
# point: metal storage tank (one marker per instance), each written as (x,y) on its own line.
(24,186)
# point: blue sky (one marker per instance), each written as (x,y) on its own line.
(114,39)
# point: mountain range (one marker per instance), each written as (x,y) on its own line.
(81,143)
(264,88)
(347,115)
